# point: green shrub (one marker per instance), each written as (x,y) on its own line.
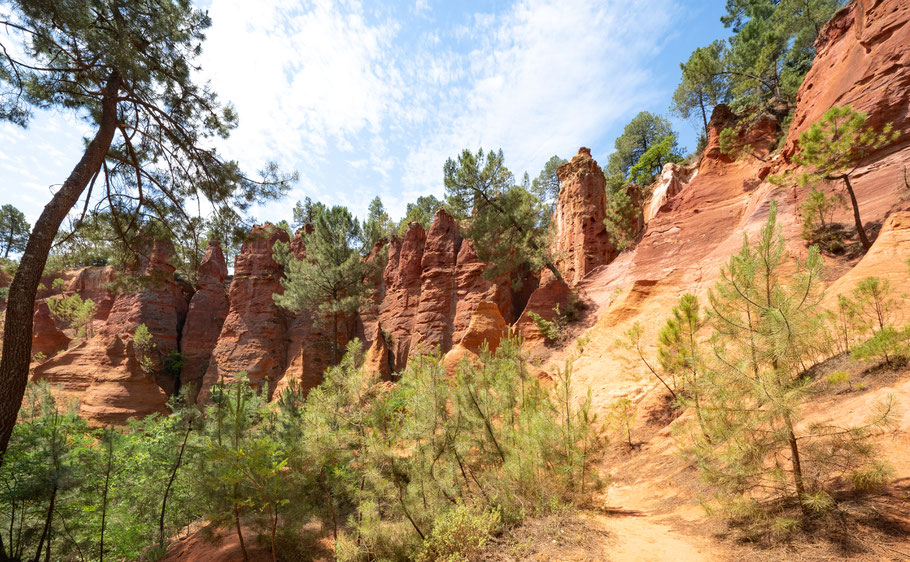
(74,312)
(838,377)
(459,534)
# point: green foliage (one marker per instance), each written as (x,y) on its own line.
(875,303)
(622,417)
(818,212)
(767,326)
(400,464)
(144,345)
(678,352)
(704,84)
(459,535)
(507,221)
(131,69)
(624,216)
(835,144)
(546,185)
(761,65)
(649,166)
(14,229)
(889,344)
(378,225)
(838,378)
(329,280)
(555,330)
(474,181)
(74,312)
(305,212)
(643,132)
(421,211)
(242,468)
(833,148)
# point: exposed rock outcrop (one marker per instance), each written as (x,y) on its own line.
(862,61)
(403,283)
(94,283)
(673,178)
(379,358)
(486,328)
(472,289)
(47,338)
(436,309)
(543,302)
(208,309)
(582,241)
(111,376)
(253,337)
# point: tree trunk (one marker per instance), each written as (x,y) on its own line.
(246,556)
(17,335)
(107,481)
(170,482)
(797,465)
(859,222)
(47,524)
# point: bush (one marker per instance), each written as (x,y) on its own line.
(75,313)
(459,535)
(838,377)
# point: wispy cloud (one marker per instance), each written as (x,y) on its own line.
(367,98)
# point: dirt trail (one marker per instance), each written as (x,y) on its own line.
(642,537)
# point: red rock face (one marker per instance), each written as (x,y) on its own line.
(403,282)
(485,329)
(47,338)
(379,359)
(436,309)
(472,289)
(208,309)
(253,337)
(543,301)
(862,61)
(582,240)
(106,372)
(92,283)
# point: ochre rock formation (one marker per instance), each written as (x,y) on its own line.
(436,309)
(472,289)
(403,283)
(886,259)
(47,338)
(94,283)
(673,178)
(862,61)
(487,327)
(543,301)
(207,311)
(378,358)
(106,372)
(253,337)
(582,242)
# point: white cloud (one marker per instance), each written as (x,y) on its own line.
(303,77)
(553,76)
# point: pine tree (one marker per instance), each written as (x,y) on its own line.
(329,280)
(546,185)
(766,324)
(127,67)
(378,225)
(835,146)
(13,230)
(506,221)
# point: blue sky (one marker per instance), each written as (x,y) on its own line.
(370,98)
